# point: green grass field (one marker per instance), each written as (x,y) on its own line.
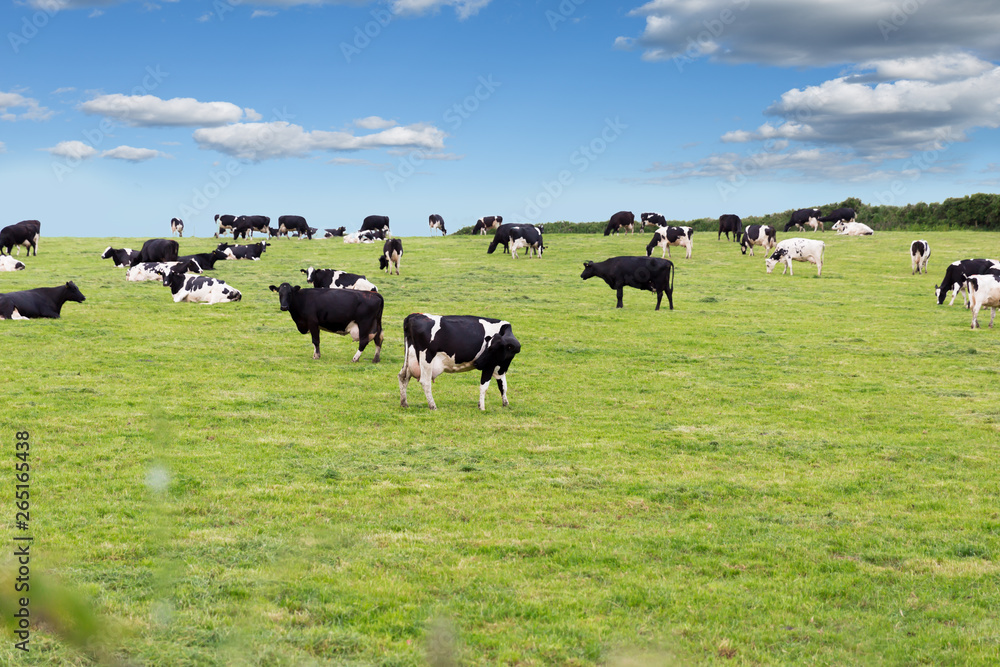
(782,470)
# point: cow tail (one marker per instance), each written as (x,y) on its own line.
(670,278)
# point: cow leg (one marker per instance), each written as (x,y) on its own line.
(502,386)
(663,255)
(314,332)
(975,317)
(427,380)
(688,255)
(993,316)
(620,290)
(788,265)
(659,297)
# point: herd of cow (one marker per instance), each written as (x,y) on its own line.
(348,304)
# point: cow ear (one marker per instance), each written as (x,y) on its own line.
(297,288)
(588,263)
(303,271)
(273,288)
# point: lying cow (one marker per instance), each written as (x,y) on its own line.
(435,344)
(984,290)
(487,222)
(920,252)
(620,221)
(40,302)
(122,257)
(177,227)
(367,236)
(437,222)
(645,273)
(8,263)
(199,289)
(957,274)
(252,251)
(150,271)
(762,235)
(205,260)
(665,237)
(157,250)
(392,254)
(526,236)
(330,233)
(339,311)
(334,279)
(799,250)
(8,311)
(852,229)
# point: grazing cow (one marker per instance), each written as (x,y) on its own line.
(150,271)
(41,301)
(984,290)
(367,236)
(392,253)
(252,251)
(487,222)
(375,223)
(157,250)
(645,273)
(225,223)
(199,289)
(437,222)
(840,215)
(8,263)
(920,252)
(762,235)
(272,232)
(339,311)
(248,224)
(852,229)
(205,260)
(655,219)
(435,344)
(334,279)
(730,223)
(177,225)
(805,216)
(501,237)
(798,249)
(957,274)
(668,236)
(121,256)
(330,233)
(294,223)
(525,236)
(24,233)
(619,221)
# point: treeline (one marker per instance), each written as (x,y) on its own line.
(972,212)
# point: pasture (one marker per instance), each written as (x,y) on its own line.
(782,470)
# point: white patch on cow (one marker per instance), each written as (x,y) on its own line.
(986,294)
(437,325)
(148,271)
(853,229)
(8,263)
(212,291)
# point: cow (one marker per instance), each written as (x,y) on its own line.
(501,237)
(177,225)
(252,251)
(199,289)
(122,257)
(205,260)
(920,252)
(762,235)
(798,249)
(225,223)
(375,223)
(339,311)
(157,250)
(852,229)
(334,279)
(984,290)
(840,215)
(294,223)
(487,222)
(24,233)
(8,311)
(619,221)
(437,222)
(805,216)
(367,236)
(40,302)
(435,344)
(668,236)
(330,233)
(655,219)
(957,274)
(8,263)
(526,236)
(645,273)
(273,232)
(730,223)
(392,253)
(150,271)
(248,224)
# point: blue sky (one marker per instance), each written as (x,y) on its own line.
(117,115)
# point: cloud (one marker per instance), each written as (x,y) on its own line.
(74,150)
(130,154)
(3,147)
(61,91)
(280,139)
(151,111)
(374,123)
(424,155)
(463,8)
(257,13)
(32,109)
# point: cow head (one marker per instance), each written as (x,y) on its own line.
(285,292)
(744,243)
(107,253)
(383,263)
(73,293)
(309,274)
(500,351)
(172,279)
(588,270)
(775,257)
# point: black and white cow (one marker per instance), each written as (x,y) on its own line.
(920,252)
(121,256)
(655,219)
(177,227)
(157,250)
(805,217)
(199,289)
(730,223)
(339,311)
(296,224)
(487,222)
(392,253)
(956,276)
(840,215)
(40,302)
(330,233)
(436,344)
(619,221)
(8,263)
(367,236)
(205,260)
(665,237)
(645,273)
(225,223)
(272,232)
(437,222)
(762,235)
(24,233)
(852,229)
(501,237)
(154,271)
(248,224)
(334,279)
(376,223)
(526,236)
(798,249)
(252,251)
(984,291)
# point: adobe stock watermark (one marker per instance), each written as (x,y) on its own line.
(704,41)
(749,167)
(915,167)
(563,13)
(363,35)
(901,13)
(31,26)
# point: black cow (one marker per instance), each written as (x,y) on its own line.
(840,215)
(339,311)
(24,233)
(619,221)
(655,219)
(251,251)
(330,233)
(225,223)
(332,278)
(730,223)
(294,223)
(805,216)
(120,256)
(40,302)
(437,222)
(272,232)
(501,237)
(205,260)
(435,344)
(375,222)
(157,250)
(957,275)
(487,222)
(762,235)
(525,236)
(177,225)
(8,311)
(646,273)
(392,253)
(248,224)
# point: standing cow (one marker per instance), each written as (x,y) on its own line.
(762,235)
(799,250)
(920,252)
(487,222)
(177,227)
(805,217)
(340,311)
(645,273)
(730,223)
(665,237)
(619,221)
(437,222)
(392,254)
(24,233)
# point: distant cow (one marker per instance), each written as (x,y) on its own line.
(367,236)
(619,221)
(437,222)
(957,274)
(205,260)
(665,237)
(154,271)
(501,237)
(799,250)
(199,289)
(730,223)
(24,233)
(121,256)
(487,222)
(526,236)
(8,263)
(645,273)
(376,223)
(157,250)
(332,278)
(330,233)
(339,311)
(248,224)
(852,229)
(805,217)
(176,226)
(655,219)
(762,235)
(40,302)
(840,215)
(225,223)
(984,290)
(252,251)
(392,253)
(435,344)
(920,252)
(294,223)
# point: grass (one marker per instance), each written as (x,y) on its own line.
(782,470)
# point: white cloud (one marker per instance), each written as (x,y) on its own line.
(424,155)
(258,13)
(374,123)
(32,109)
(463,8)
(131,154)
(61,91)
(74,150)
(151,111)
